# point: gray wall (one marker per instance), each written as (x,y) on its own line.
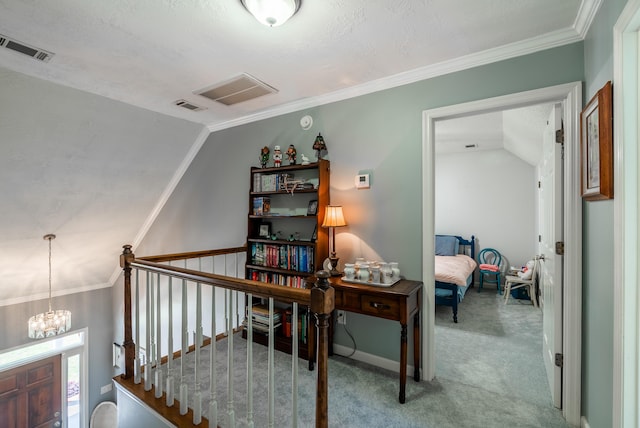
(492,195)
(91,309)
(597,303)
(380,133)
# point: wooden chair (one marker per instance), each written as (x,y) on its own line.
(513,282)
(489,261)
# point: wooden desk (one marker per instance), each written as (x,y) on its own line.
(399,302)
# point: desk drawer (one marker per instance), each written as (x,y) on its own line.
(380,306)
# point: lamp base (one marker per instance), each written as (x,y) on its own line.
(334,265)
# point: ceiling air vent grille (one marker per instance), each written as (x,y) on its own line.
(188,105)
(236,90)
(23,48)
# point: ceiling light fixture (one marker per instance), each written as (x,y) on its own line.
(272,12)
(49,323)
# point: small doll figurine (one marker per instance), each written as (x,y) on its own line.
(291,154)
(264,156)
(277,156)
(319,146)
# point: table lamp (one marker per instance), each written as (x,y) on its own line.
(333,218)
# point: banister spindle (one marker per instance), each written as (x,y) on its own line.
(138,366)
(159,373)
(294,364)
(213,378)
(147,328)
(249,298)
(197,395)
(170,379)
(271,383)
(183,352)
(229,318)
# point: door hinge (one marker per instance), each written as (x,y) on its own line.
(560,136)
(539,238)
(560,248)
(539,184)
(559,360)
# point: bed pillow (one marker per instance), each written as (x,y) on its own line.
(446,245)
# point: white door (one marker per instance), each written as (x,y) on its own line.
(550,279)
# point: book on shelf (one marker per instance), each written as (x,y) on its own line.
(283,256)
(261,205)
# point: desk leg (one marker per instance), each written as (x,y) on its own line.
(416,347)
(403,362)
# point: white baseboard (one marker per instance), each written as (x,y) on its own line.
(374,360)
(584,423)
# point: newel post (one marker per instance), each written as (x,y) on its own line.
(126,258)
(322,304)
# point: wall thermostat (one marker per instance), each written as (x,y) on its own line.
(362,181)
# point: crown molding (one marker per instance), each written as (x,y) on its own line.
(586,14)
(512,50)
(59,293)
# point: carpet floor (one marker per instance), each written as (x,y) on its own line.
(489,373)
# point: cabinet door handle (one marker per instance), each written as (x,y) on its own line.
(380,305)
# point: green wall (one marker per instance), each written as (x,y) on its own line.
(597,271)
(89,309)
(380,133)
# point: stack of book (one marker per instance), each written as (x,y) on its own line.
(260,316)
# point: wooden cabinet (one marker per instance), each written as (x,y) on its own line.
(286,243)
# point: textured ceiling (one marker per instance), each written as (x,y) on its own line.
(62,168)
(150,53)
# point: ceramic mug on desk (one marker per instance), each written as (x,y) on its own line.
(386,273)
(375,274)
(349,271)
(363,273)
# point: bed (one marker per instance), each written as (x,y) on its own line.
(454,267)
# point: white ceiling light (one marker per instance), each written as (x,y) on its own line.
(272,12)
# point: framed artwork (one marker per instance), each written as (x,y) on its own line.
(596,146)
(265,230)
(314,235)
(312,209)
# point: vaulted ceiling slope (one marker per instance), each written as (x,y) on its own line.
(76,130)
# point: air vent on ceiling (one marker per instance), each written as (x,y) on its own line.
(188,105)
(23,48)
(236,90)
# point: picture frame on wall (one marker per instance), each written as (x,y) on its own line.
(596,146)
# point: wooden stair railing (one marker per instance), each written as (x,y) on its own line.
(319,299)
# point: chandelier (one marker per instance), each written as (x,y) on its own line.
(50,323)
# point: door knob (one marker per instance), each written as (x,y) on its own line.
(57,424)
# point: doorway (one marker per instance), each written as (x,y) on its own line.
(570,95)
(626,75)
(65,359)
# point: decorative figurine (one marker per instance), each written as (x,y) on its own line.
(291,154)
(305,159)
(277,156)
(319,146)
(264,156)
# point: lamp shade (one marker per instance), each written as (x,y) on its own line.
(333,216)
(272,12)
